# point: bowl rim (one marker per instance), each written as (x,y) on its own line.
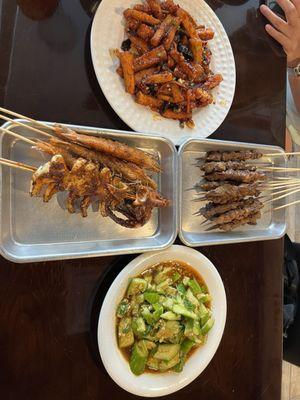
(115,294)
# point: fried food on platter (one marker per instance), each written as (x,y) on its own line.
(129,171)
(87,182)
(126,59)
(108,146)
(165,45)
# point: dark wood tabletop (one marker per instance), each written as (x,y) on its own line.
(49,311)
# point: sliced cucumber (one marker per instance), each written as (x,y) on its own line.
(181,310)
(166,351)
(138,358)
(170,316)
(207,327)
(137,286)
(165,365)
(125,333)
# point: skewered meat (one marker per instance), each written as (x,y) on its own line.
(226,193)
(238,176)
(229,183)
(207,186)
(86,183)
(211,210)
(56,149)
(239,213)
(250,220)
(110,147)
(221,166)
(242,155)
(129,171)
(139,212)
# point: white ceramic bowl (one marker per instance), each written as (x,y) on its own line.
(153,385)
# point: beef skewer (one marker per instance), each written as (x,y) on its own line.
(242,155)
(220,166)
(207,186)
(211,209)
(238,176)
(239,213)
(226,193)
(250,220)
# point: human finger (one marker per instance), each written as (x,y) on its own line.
(297,6)
(276,21)
(289,9)
(278,36)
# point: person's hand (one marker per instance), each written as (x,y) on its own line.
(287,33)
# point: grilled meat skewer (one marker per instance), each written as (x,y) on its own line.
(221,166)
(250,220)
(211,210)
(207,186)
(226,193)
(238,176)
(239,213)
(242,155)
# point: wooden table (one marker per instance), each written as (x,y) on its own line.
(48,311)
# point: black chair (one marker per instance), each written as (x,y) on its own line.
(291,324)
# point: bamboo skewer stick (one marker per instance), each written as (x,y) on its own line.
(287,205)
(284,195)
(284,183)
(285,190)
(279,169)
(15,164)
(282,178)
(16,135)
(25,126)
(27,118)
(293,153)
(287,187)
(274,187)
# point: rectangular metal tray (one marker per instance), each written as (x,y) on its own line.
(35,231)
(272,225)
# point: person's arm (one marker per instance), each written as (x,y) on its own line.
(295,89)
(287,33)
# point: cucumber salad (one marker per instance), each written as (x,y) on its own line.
(164,316)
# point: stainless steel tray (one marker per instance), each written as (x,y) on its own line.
(35,231)
(272,225)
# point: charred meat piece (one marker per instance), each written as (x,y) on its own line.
(226,193)
(211,210)
(236,175)
(220,166)
(242,155)
(250,220)
(207,186)
(239,213)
